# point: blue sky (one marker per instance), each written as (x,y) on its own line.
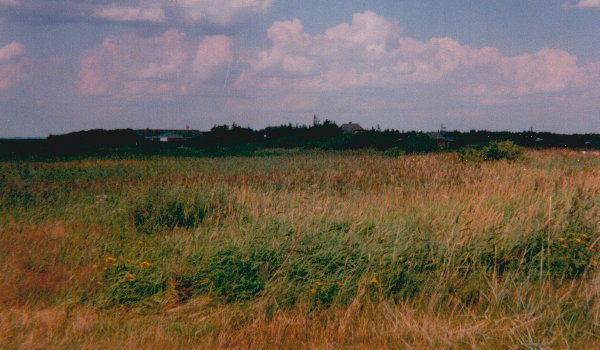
(69,65)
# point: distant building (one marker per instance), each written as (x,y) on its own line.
(351,128)
(442,140)
(170,136)
(166,135)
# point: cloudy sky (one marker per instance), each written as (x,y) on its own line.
(70,65)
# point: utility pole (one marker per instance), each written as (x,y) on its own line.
(316,120)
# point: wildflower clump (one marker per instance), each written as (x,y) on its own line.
(130,282)
(571,255)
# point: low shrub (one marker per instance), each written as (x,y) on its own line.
(502,150)
(234,277)
(232,274)
(493,151)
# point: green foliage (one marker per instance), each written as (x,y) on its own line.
(493,151)
(419,143)
(570,256)
(470,154)
(502,150)
(161,210)
(394,152)
(235,277)
(566,257)
(130,282)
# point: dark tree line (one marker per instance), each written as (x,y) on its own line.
(225,139)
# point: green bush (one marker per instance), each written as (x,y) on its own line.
(493,151)
(235,277)
(502,150)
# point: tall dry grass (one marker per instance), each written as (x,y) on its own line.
(317,250)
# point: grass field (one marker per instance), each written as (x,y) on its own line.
(301,250)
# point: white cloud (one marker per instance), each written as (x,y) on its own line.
(583,4)
(173,12)
(372,52)
(11,64)
(131,67)
(299,71)
(11,52)
(211,53)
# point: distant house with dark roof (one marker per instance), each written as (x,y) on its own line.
(351,128)
(442,140)
(168,135)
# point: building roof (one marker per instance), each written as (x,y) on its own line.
(351,128)
(436,135)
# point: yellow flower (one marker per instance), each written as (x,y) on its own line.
(313,291)
(140,242)
(584,235)
(577,240)
(561,239)
(374,281)
(563,245)
(320,283)
(109,259)
(95,266)
(145,264)
(130,277)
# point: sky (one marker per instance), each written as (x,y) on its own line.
(68,65)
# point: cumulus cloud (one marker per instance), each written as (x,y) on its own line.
(11,64)
(297,68)
(132,67)
(373,52)
(172,12)
(582,4)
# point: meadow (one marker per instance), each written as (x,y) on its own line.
(301,250)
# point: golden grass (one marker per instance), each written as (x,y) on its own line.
(198,325)
(51,244)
